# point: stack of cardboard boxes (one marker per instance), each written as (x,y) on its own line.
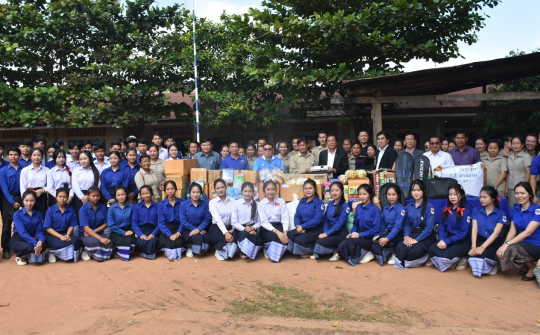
(179,172)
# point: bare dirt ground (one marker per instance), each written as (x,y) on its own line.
(204,296)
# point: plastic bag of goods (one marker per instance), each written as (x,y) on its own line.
(291,207)
(265,174)
(343,178)
(351,174)
(361,174)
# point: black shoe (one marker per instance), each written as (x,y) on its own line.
(6,255)
(523,272)
(525,278)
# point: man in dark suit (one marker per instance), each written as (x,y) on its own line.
(334,157)
(386,156)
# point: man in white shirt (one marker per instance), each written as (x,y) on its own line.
(436,156)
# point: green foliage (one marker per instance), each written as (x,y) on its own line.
(304,49)
(498,124)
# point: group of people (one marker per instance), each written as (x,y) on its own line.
(85,204)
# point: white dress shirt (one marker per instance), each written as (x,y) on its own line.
(56,178)
(221,213)
(273,212)
(103,166)
(379,157)
(440,159)
(330,161)
(32,178)
(71,164)
(241,215)
(83,179)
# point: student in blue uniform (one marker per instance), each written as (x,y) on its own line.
(170,237)
(246,222)
(274,218)
(221,233)
(367,225)
(454,232)
(145,224)
(112,177)
(391,233)
(418,229)
(488,222)
(335,224)
(195,218)
(59,176)
(308,222)
(9,182)
(60,222)
(131,168)
(28,240)
(521,249)
(92,225)
(119,221)
(34,178)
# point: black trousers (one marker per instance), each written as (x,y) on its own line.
(7,220)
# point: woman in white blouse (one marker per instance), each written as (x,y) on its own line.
(84,177)
(59,176)
(221,233)
(34,178)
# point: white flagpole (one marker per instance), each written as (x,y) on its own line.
(196,78)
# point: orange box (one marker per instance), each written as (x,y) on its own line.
(180,167)
(288,190)
(199,174)
(357,182)
(213,175)
(181,181)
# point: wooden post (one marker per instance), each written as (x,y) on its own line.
(376,116)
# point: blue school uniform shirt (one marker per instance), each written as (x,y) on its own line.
(522,219)
(10,181)
(167,214)
(413,219)
(92,218)
(58,221)
(110,178)
(309,214)
(195,217)
(4,164)
(238,164)
(131,175)
(118,218)
(24,163)
(451,226)
(30,228)
(486,223)
(142,216)
(123,162)
(535,166)
(332,224)
(367,220)
(261,163)
(50,164)
(393,218)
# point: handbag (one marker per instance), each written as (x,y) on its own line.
(437,188)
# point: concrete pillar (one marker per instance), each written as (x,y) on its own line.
(376,116)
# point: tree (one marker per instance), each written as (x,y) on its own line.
(80,62)
(304,49)
(499,124)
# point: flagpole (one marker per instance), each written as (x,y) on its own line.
(196,78)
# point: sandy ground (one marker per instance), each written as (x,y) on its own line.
(192,296)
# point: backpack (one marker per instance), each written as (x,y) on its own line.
(437,188)
(382,195)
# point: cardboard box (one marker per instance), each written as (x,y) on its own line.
(199,174)
(181,181)
(207,190)
(212,192)
(180,167)
(261,195)
(251,176)
(213,175)
(322,177)
(357,182)
(288,190)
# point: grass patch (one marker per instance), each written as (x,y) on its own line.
(291,302)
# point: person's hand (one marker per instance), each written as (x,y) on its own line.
(86,234)
(70,199)
(506,193)
(105,240)
(161,188)
(323,235)
(472,252)
(144,238)
(202,232)
(38,247)
(149,237)
(441,245)
(299,229)
(84,199)
(248,229)
(16,205)
(502,250)
(194,232)
(111,202)
(411,242)
(228,237)
(283,237)
(308,170)
(383,241)
(536,201)
(172,237)
(253,232)
(131,196)
(128,233)
(479,250)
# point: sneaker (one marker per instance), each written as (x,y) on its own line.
(265,254)
(368,257)
(392,260)
(429,262)
(52,258)
(85,256)
(462,264)
(20,261)
(242,255)
(189,253)
(335,258)
(219,256)
(494,270)
(305,256)
(312,257)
